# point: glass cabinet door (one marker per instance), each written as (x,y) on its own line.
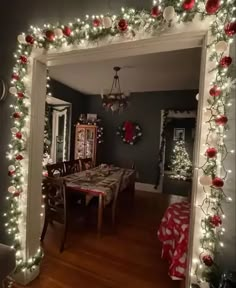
(80,143)
(90,142)
(85,142)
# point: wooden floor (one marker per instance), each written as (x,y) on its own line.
(126,258)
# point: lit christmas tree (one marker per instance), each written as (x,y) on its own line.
(181,166)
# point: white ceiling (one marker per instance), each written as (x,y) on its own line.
(55,101)
(177,70)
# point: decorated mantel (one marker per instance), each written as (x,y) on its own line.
(166,18)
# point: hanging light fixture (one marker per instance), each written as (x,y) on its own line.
(115,100)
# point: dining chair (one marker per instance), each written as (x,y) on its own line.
(56,170)
(54,191)
(128,164)
(114,201)
(72,167)
(86,164)
(77,198)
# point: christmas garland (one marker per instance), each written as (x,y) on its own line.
(126,25)
(129,132)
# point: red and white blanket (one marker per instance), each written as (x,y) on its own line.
(173,233)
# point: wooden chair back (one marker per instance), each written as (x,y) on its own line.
(114,202)
(54,191)
(56,170)
(128,164)
(72,167)
(86,164)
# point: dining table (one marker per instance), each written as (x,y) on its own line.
(101,182)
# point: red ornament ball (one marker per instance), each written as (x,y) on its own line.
(212,6)
(15,76)
(20,95)
(18,135)
(188,4)
(215,220)
(218,182)
(45,173)
(66,31)
(19,157)
(222,120)
(96,22)
(155,12)
(123,25)
(207,260)
(50,35)
(10,173)
(23,59)
(29,39)
(225,61)
(230,28)
(16,194)
(211,152)
(215,91)
(16,115)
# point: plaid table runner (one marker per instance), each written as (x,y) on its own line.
(99,180)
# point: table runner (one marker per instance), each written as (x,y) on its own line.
(173,233)
(99,180)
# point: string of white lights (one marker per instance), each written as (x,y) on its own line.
(125,26)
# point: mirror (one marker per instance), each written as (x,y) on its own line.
(60,149)
(176,152)
(57,131)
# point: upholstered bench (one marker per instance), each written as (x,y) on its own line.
(7,262)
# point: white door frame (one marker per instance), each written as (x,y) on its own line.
(188,38)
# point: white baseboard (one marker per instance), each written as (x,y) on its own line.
(146,187)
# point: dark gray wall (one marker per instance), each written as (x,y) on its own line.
(145,110)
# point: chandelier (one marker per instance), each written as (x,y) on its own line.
(115,100)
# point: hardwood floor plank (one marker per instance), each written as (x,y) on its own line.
(126,258)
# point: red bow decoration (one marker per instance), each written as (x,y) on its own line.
(129,131)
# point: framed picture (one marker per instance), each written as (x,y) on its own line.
(179,134)
(92,117)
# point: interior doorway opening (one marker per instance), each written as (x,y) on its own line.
(99,109)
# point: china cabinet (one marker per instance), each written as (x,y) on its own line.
(86,142)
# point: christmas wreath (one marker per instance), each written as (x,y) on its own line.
(129,132)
